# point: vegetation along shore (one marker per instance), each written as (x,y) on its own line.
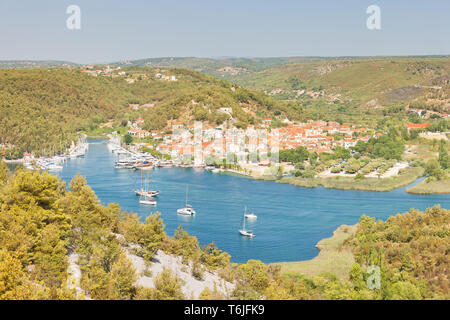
(58,243)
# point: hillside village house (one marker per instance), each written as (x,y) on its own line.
(412,126)
(138,133)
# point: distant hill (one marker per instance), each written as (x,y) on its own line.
(225,67)
(359,79)
(19,64)
(381,81)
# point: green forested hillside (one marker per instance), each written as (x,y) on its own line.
(359,79)
(41,110)
(412,250)
(346,89)
(390,79)
(358,90)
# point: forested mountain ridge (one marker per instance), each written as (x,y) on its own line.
(389,80)
(344,89)
(41,110)
(360,78)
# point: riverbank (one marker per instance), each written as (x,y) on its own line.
(333,256)
(404,178)
(431,187)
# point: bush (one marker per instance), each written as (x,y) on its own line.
(359,176)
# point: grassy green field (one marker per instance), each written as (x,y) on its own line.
(407,176)
(421,150)
(424,187)
(333,257)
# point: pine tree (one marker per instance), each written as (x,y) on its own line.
(3,172)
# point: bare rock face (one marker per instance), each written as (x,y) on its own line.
(74,279)
(329,67)
(192,287)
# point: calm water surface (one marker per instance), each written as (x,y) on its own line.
(291,220)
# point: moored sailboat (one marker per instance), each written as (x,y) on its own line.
(145,191)
(187,210)
(243,231)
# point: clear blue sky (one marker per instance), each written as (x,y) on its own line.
(113,30)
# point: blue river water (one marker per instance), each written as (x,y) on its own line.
(291,220)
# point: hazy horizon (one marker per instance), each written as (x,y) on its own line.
(114,30)
(437,56)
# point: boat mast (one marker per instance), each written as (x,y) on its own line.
(186,195)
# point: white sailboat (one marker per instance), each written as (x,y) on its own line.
(246,233)
(145,195)
(187,210)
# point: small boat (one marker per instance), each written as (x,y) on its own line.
(52,167)
(250,216)
(246,233)
(125,164)
(166,164)
(147,201)
(149,193)
(146,165)
(187,210)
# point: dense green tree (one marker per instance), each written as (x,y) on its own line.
(433,169)
(168,286)
(297,155)
(124,275)
(253,280)
(213,258)
(127,139)
(356,276)
(444,160)
(3,172)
